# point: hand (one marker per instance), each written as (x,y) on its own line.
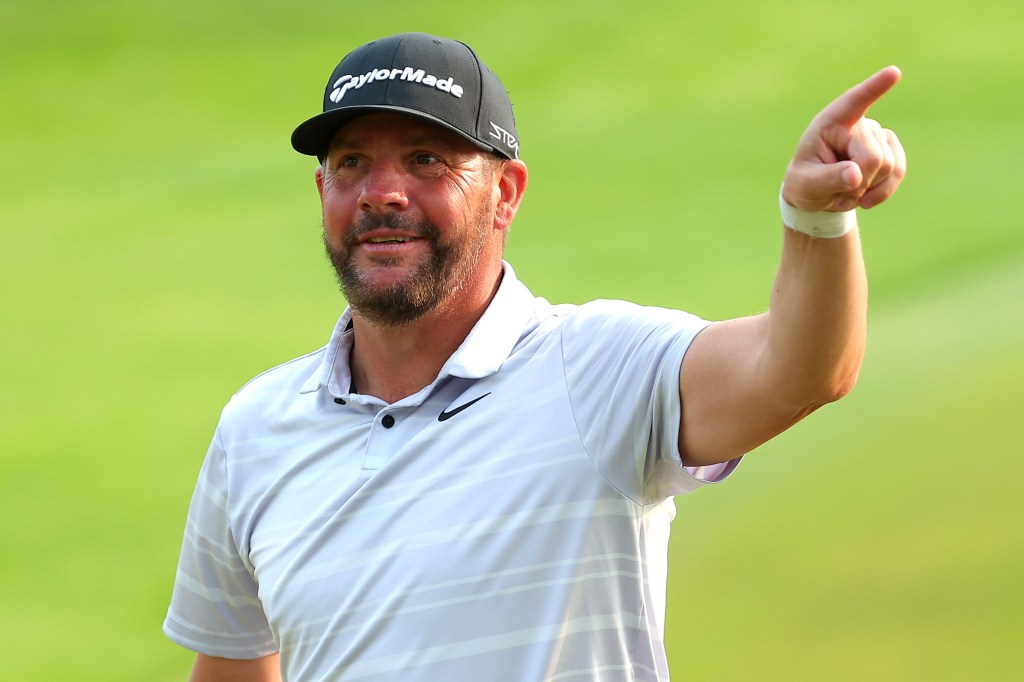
(844,160)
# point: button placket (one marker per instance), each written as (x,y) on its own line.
(383,441)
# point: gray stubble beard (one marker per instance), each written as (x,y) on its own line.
(435,279)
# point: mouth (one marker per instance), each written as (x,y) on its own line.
(390,235)
(389,244)
(390,240)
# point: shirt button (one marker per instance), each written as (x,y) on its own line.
(388,421)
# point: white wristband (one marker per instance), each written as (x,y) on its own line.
(828,224)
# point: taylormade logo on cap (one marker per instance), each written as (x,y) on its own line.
(350,82)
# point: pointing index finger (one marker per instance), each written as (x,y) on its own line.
(851,106)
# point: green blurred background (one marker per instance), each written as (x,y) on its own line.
(160,245)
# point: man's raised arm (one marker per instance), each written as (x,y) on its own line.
(746,380)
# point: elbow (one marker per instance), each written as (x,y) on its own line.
(839,386)
(823,394)
(838,378)
(820,390)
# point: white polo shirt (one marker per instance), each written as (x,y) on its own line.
(508,522)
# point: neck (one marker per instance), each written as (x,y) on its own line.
(394,362)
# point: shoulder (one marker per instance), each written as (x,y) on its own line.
(614,318)
(277,384)
(293,373)
(601,331)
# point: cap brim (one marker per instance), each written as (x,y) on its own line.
(314,136)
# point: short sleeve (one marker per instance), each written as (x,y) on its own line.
(215,608)
(622,368)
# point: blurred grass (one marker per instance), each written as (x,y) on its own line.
(880,540)
(161,246)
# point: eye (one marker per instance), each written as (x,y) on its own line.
(426,159)
(342,160)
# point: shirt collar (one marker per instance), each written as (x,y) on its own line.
(481,354)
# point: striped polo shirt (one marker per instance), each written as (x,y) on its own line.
(508,522)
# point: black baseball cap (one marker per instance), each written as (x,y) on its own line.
(437,79)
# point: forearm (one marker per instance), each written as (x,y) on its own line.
(816,328)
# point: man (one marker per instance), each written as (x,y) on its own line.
(468,483)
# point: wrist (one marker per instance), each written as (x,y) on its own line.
(822,224)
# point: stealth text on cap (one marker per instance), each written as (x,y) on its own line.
(350,82)
(505,137)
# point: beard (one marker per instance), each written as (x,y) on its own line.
(435,278)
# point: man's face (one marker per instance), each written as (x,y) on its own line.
(408,211)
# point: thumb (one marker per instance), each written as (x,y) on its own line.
(823,186)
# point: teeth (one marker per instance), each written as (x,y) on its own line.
(385,240)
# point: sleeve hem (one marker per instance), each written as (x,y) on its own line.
(713,473)
(202,644)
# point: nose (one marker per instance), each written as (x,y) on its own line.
(384,189)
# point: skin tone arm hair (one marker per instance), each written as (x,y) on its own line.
(214,669)
(746,380)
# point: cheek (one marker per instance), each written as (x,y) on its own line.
(336,195)
(338,209)
(452,205)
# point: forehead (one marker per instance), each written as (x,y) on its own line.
(398,129)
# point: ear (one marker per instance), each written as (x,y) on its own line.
(509,189)
(320,182)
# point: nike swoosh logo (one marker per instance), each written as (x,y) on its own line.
(451,413)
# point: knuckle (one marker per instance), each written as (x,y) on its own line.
(872,164)
(888,165)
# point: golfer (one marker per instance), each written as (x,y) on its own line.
(467,482)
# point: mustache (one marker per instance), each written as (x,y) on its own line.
(424,229)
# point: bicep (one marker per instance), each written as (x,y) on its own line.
(727,400)
(215,669)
